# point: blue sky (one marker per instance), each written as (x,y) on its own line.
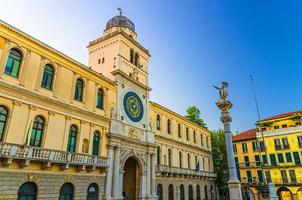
(194,45)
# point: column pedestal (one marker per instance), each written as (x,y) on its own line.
(272,192)
(235,190)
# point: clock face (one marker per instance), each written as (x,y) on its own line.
(133,106)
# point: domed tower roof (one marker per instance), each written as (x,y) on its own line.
(120,21)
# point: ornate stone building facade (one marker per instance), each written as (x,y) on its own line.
(70,131)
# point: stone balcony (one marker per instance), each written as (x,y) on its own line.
(27,154)
(190,173)
(250,165)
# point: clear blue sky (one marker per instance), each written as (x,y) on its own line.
(194,44)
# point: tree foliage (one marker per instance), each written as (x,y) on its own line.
(193,114)
(220,161)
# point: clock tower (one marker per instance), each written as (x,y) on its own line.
(131,151)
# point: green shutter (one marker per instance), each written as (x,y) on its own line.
(280,158)
(288,157)
(297,158)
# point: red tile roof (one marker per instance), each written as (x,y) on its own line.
(247,135)
(283,115)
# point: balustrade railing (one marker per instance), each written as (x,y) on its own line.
(15,151)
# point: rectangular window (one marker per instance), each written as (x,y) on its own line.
(285,143)
(280,158)
(284,125)
(244,147)
(257,160)
(262,146)
(187,133)
(292,175)
(297,158)
(267,176)
(235,148)
(264,159)
(260,176)
(277,144)
(255,146)
(249,176)
(276,127)
(201,139)
(194,136)
(236,160)
(246,161)
(284,176)
(273,159)
(300,141)
(288,157)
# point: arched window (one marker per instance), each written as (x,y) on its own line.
(212,191)
(189,161)
(66,192)
(169,157)
(136,60)
(171,192)
(180,159)
(85,146)
(169,126)
(72,139)
(96,143)
(79,88)
(100,99)
(37,132)
(179,130)
(198,192)
(158,122)
(182,192)
(13,63)
(158,155)
(203,165)
(190,192)
(47,78)
(93,192)
(160,191)
(131,56)
(3,121)
(206,192)
(27,191)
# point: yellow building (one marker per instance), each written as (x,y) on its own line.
(283,139)
(69,131)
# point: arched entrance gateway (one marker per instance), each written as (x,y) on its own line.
(131,179)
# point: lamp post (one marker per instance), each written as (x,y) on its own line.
(224,105)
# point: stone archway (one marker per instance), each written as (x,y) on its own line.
(131,179)
(284,193)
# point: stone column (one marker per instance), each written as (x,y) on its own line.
(109,174)
(233,183)
(3,58)
(153,186)
(143,185)
(116,174)
(148,184)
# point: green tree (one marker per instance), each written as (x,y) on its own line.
(193,114)
(220,161)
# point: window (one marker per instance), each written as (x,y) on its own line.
(201,139)
(37,132)
(292,175)
(257,160)
(267,176)
(297,158)
(169,126)
(273,159)
(255,146)
(190,192)
(207,141)
(244,147)
(284,125)
(194,136)
(235,148)
(264,159)
(72,139)
(182,192)
(277,144)
(47,77)
(189,161)
(159,191)
(260,176)
(136,60)
(196,163)
(179,130)
(157,122)
(93,192)
(96,143)
(285,143)
(131,56)
(158,155)
(13,63)
(66,192)
(180,159)
(3,121)
(288,157)
(284,176)
(262,146)
(27,191)
(206,192)
(170,157)
(171,192)
(78,94)
(100,99)
(236,161)
(187,133)
(300,141)
(198,192)
(280,158)
(249,176)
(276,127)
(246,161)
